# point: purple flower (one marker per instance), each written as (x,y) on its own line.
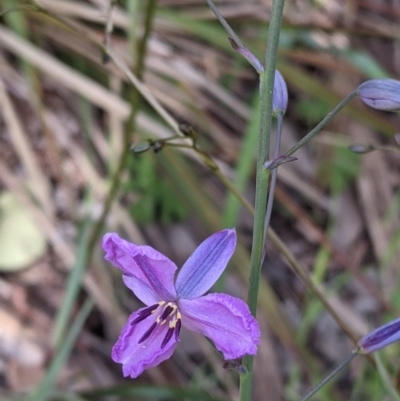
(381,94)
(152,332)
(380,337)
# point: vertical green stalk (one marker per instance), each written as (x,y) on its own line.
(274,174)
(266,91)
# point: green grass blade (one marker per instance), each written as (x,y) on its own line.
(48,384)
(73,287)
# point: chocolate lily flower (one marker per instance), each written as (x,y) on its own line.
(151,333)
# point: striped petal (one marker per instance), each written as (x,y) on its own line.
(205,265)
(142,263)
(226,320)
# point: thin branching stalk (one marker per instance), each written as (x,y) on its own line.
(322,124)
(225,25)
(331,375)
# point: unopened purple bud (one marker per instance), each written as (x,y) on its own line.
(380,337)
(280,96)
(381,94)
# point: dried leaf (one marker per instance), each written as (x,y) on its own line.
(21,242)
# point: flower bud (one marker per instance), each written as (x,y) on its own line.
(280,95)
(361,148)
(381,94)
(141,147)
(380,337)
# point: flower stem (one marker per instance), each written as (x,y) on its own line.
(225,25)
(271,190)
(266,91)
(333,373)
(322,124)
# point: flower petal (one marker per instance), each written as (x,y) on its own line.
(141,290)
(143,263)
(380,337)
(226,320)
(135,357)
(206,264)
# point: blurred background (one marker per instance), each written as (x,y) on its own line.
(69,115)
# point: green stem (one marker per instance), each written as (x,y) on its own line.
(225,25)
(271,190)
(266,92)
(74,281)
(322,124)
(235,41)
(332,374)
(48,384)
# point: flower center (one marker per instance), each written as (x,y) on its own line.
(167,312)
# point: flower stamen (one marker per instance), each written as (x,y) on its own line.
(150,309)
(145,313)
(147,334)
(168,336)
(168,310)
(169,314)
(174,327)
(178,326)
